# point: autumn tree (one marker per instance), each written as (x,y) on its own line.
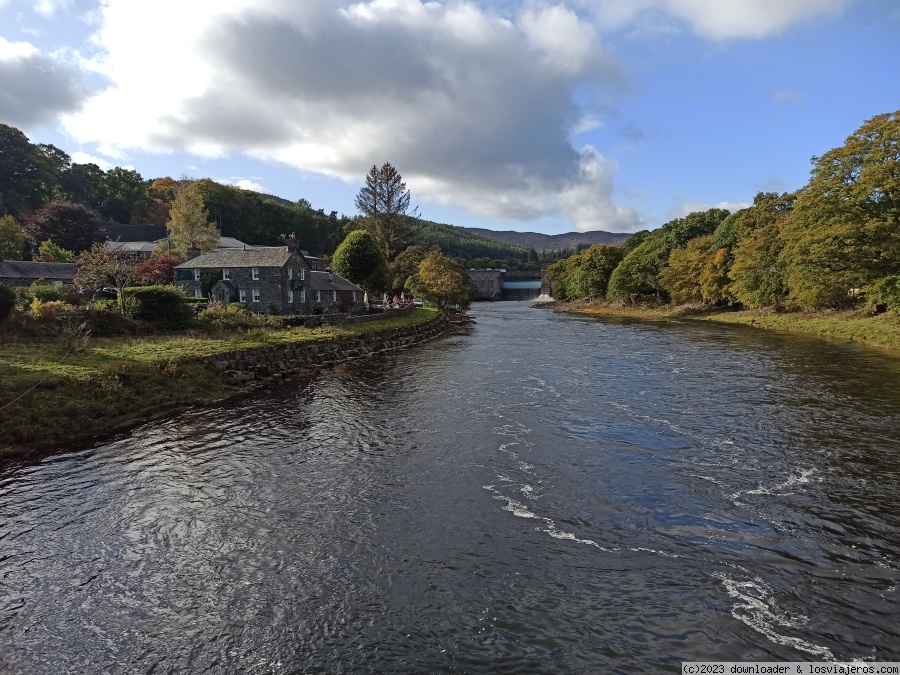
(845,230)
(12,239)
(158,270)
(406,266)
(50,252)
(74,227)
(106,267)
(384,204)
(443,283)
(189,224)
(359,259)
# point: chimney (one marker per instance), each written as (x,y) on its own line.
(192,252)
(330,274)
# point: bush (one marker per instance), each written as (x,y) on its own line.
(104,321)
(884,291)
(235,317)
(70,295)
(47,313)
(161,305)
(44,291)
(7,301)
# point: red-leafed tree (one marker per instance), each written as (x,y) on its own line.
(157,270)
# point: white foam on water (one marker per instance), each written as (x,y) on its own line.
(803,477)
(756,607)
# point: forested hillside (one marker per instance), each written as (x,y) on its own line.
(551,242)
(826,245)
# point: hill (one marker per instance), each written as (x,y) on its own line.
(550,242)
(460,242)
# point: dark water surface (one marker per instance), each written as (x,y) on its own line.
(544,494)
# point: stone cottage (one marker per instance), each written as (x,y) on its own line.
(26,272)
(272,279)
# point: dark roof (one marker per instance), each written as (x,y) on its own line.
(276,256)
(27,269)
(134,232)
(318,281)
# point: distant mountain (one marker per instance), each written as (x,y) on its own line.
(550,242)
(460,242)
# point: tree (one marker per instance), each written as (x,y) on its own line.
(126,194)
(74,227)
(406,266)
(585,275)
(189,224)
(159,270)
(845,229)
(84,184)
(50,252)
(443,283)
(25,172)
(682,276)
(384,203)
(106,267)
(359,259)
(12,239)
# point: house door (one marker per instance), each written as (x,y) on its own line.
(223,297)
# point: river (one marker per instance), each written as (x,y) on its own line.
(543,493)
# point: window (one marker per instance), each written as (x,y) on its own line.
(334,296)
(290,296)
(354,296)
(198,293)
(254,273)
(196,275)
(290,273)
(318,296)
(242,296)
(226,274)
(255,295)
(302,274)
(302,296)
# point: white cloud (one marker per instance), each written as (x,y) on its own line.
(35,87)
(473,108)
(247,184)
(716,19)
(788,96)
(691,207)
(49,7)
(84,158)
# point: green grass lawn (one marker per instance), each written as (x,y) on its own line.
(861,326)
(47,394)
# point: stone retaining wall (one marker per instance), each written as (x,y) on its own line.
(279,362)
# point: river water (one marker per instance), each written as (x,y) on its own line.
(544,493)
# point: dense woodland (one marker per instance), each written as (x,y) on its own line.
(833,243)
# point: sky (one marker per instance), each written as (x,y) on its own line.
(614,115)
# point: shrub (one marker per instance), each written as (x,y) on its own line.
(161,305)
(44,291)
(7,301)
(235,317)
(105,321)
(47,313)
(70,295)
(884,291)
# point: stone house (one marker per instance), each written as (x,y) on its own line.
(487,284)
(330,293)
(274,279)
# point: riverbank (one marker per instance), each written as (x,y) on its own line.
(881,331)
(51,395)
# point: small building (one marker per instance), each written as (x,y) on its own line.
(26,272)
(330,293)
(487,284)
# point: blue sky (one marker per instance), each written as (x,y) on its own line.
(532,116)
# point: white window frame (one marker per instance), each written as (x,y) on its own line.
(291,297)
(334,296)
(318,296)
(255,295)
(303,296)
(354,296)
(302,274)
(242,296)
(196,275)
(254,273)
(290,273)
(198,293)
(226,274)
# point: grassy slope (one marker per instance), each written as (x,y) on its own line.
(48,396)
(877,331)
